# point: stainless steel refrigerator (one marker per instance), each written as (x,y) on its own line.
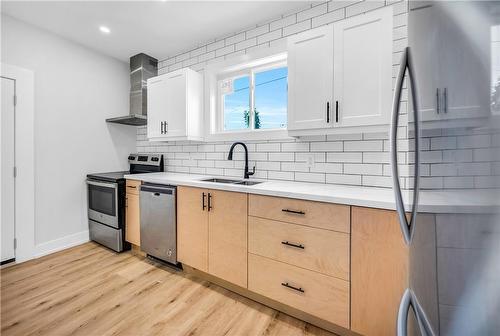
(448,209)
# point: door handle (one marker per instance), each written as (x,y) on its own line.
(166,127)
(327,112)
(336,111)
(445,96)
(209,201)
(408,300)
(203,206)
(437,100)
(404,308)
(407,228)
(161,127)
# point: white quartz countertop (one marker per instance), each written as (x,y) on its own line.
(442,201)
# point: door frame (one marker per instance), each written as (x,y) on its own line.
(24,149)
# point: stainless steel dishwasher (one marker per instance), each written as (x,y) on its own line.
(159,221)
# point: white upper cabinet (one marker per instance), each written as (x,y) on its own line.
(310,79)
(175,106)
(452,75)
(362,54)
(340,75)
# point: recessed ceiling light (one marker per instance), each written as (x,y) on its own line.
(104,29)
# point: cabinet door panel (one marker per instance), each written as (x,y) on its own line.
(363,68)
(310,82)
(228,236)
(464,63)
(379,271)
(132,218)
(156,106)
(176,108)
(192,228)
(425,24)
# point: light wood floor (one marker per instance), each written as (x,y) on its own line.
(90,290)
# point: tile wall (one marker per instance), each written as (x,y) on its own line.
(352,159)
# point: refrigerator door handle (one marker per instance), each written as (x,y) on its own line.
(409,299)
(407,227)
(422,320)
(404,308)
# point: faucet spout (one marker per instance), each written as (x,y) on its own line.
(247,173)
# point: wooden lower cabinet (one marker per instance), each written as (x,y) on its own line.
(347,277)
(314,293)
(212,232)
(192,227)
(132,214)
(379,271)
(318,250)
(227,236)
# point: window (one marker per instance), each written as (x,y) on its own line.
(254,98)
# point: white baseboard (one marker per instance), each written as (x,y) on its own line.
(62,243)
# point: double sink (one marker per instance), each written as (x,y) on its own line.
(230,181)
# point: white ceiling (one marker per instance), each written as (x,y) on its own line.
(157,28)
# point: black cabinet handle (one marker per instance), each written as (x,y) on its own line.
(294,211)
(445,96)
(328,112)
(437,101)
(336,111)
(286,242)
(203,206)
(298,289)
(209,201)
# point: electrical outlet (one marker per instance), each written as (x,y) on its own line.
(310,160)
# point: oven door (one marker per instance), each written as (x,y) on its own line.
(103,202)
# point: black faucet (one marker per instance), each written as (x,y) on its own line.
(230,157)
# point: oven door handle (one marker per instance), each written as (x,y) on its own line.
(101,184)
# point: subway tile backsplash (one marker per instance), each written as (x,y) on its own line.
(451,158)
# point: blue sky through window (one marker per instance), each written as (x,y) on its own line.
(271,97)
(236,103)
(270,100)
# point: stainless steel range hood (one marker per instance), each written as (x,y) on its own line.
(142,67)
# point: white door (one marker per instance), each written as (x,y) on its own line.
(310,79)
(156,107)
(176,103)
(7,173)
(363,69)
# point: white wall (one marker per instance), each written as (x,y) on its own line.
(76,89)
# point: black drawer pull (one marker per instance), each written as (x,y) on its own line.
(294,211)
(286,242)
(203,206)
(133,187)
(298,289)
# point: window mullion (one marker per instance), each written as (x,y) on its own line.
(252,100)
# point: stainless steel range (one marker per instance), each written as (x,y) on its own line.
(106,200)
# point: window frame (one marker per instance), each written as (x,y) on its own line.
(249,71)
(238,66)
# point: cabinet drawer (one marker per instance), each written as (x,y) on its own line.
(311,292)
(318,250)
(316,214)
(133,187)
